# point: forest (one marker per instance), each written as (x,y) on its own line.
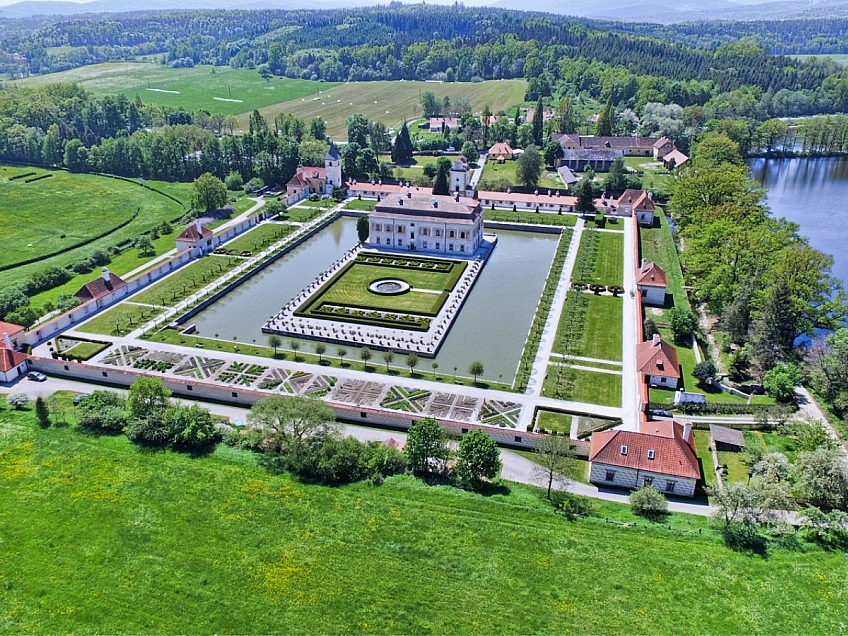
(444,44)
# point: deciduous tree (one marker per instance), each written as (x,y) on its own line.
(478,459)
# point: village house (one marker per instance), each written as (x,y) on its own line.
(637,203)
(661,454)
(651,281)
(501,151)
(311,180)
(440,124)
(662,147)
(13,364)
(674,159)
(96,289)
(197,239)
(437,224)
(656,361)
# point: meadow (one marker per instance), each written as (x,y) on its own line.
(390,102)
(187,280)
(81,206)
(218,89)
(100,536)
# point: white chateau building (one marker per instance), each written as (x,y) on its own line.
(407,222)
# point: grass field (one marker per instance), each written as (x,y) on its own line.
(260,237)
(101,537)
(541,218)
(494,171)
(601,329)
(81,198)
(609,265)
(186,281)
(350,289)
(120,319)
(390,102)
(553,421)
(237,90)
(589,386)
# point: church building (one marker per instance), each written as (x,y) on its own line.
(446,225)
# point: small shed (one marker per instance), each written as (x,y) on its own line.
(727,439)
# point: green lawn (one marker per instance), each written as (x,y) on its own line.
(494,171)
(101,537)
(366,205)
(553,421)
(259,238)
(600,328)
(187,280)
(86,350)
(66,209)
(589,386)
(702,446)
(544,218)
(609,264)
(654,176)
(737,470)
(657,245)
(303,214)
(349,288)
(120,319)
(238,90)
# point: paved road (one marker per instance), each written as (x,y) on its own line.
(515,467)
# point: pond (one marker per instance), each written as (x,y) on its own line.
(812,193)
(491,327)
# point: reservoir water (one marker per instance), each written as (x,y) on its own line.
(491,327)
(811,192)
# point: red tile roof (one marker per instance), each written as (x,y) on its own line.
(384,188)
(9,328)
(9,359)
(651,275)
(639,199)
(656,357)
(304,174)
(672,454)
(192,234)
(99,287)
(501,149)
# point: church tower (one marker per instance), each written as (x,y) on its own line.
(459,176)
(333,168)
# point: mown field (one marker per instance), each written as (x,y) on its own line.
(391,102)
(219,89)
(101,537)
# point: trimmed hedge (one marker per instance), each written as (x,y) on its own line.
(38,178)
(22,175)
(721,408)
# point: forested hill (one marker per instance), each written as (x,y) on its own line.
(395,42)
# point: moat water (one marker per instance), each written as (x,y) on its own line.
(811,192)
(491,327)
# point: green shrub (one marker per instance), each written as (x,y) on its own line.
(648,502)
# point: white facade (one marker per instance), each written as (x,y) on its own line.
(333,170)
(663,381)
(605,474)
(653,295)
(431,224)
(458,176)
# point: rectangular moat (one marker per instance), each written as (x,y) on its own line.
(492,326)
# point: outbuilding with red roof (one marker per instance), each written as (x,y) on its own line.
(657,361)
(651,281)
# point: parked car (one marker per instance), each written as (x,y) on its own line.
(79,398)
(36,376)
(661,413)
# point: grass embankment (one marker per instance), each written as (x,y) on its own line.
(102,537)
(259,238)
(401,99)
(218,89)
(69,208)
(535,218)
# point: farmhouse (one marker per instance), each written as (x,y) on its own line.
(662,147)
(108,282)
(639,203)
(410,222)
(651,281)
(501,151)
(727,439)
(657,362)
(438,124)
(661,454)
(13,363)
(196,238)
(308,180)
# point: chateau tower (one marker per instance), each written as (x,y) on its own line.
(333,169)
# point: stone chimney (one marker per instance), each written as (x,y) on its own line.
(105,273)
(7,341)
(198,226)
(656,340)
(687,432)
(644,265)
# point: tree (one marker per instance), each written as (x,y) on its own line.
(606,119)
(18,401)
(430,104)
(717,149)
(476,369)
(42,412)
(821,478)
(529,166)
(275,341)
(616,180)
(683,323)
(318,128)
(469,151)
(294,345)
(362,228)
(441,184)
(144,245)
(208,193)
(102,412)
(147,399)
(320,349)
(402,148)
(357,129)
(705,372)
(426,449)
(190,426)
(780,382)
(554,461)
(412,362)
(538,123)
(365,356)
(651,328)
(566,116)
(550,153)
(388,358)
(478,459)
(648,502)
(584,191)
(341,352)
(291,424)
(234,181)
